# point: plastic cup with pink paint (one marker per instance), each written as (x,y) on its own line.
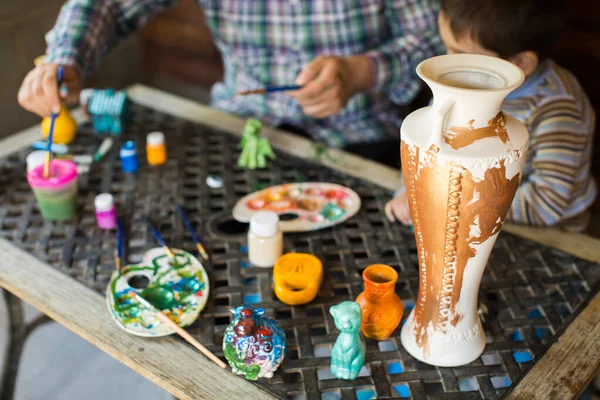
(57,194)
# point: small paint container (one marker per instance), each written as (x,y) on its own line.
(129,157)
(156,150)
(57,194)
(35,159)
(265,240)
(106,213)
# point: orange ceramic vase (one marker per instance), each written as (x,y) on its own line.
(381,307)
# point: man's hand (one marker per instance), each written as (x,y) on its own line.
(397,209)
(39,92)
(329,82)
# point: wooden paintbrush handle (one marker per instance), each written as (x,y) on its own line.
(179,330)
(188,338)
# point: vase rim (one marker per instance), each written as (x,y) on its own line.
(432,69)
(391,275)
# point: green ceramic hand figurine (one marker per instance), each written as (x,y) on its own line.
(348,355)
(255,150)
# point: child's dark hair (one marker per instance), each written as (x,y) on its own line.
(508,27)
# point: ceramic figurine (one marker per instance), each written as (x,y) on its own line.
(297,278)
(109,110)
(254,344)
(255,150)
(65,127)
(381,307)
(348,354)
(462,160)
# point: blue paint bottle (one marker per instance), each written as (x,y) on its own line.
(129,157)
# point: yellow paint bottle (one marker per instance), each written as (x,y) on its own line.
(65,127)
(297,278)
(156,150)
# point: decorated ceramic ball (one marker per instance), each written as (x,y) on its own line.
(254,344)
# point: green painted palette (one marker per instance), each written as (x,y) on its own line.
(179,288)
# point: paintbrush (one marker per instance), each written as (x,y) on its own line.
(120,245)
(160,240)
(53,117)
(195,237)
(271,89)
(179,330)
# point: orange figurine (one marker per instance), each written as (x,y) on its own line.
(381,307)
(297,278)
(65,127)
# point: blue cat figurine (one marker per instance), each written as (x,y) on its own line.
(348,355)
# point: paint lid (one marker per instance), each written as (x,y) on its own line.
(128,149)
(104,202)
(264,223)
(35,159)
(155,139)
(61,173)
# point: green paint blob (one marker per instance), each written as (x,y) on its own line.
(57,206)
(134,312)
(250,372)
(332,212)
(161,297)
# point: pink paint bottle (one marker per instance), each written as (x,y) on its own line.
(106,213)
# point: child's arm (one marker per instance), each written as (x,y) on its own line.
(558,184)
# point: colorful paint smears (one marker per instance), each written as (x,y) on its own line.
(178,287)
(254,344)
(302,206)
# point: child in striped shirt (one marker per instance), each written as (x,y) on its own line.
(557,188)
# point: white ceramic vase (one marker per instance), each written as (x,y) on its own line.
(462,160)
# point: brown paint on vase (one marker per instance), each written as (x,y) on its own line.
(449,196)
(461,136)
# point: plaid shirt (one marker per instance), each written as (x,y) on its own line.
(267,43)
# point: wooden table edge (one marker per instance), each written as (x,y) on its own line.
(168,362)
(25,276)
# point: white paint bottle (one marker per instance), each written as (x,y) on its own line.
(265,239)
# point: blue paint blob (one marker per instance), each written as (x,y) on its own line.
(542,332)
(365,394)
(499,382)
(402,390)
(522,356)
(395,368)
(252,298)
(516,336)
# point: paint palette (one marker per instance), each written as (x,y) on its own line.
(301,206)
(179,288)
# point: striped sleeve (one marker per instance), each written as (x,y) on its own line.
(87,29)
(558,165)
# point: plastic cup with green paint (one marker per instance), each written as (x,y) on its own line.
(56,195)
